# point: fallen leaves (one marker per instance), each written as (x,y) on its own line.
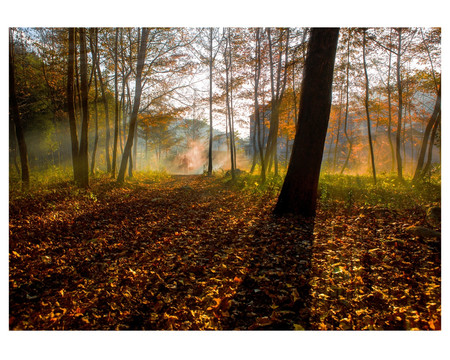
(192,253)
(379,277)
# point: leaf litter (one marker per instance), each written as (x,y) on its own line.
(192,253)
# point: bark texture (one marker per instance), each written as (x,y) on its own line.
(299,192)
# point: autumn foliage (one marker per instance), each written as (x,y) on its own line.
(194,252)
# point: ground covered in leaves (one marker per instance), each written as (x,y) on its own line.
(194,252)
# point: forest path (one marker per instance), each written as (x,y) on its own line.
(187,252)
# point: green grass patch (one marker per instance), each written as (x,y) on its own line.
(389,192)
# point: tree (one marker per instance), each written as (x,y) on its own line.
(105,104)
(15,114)
(366,105)
(137,101)
(278,86)
(116,105)
(83,150)
(71,105)
(94,51)
(229,98)
(210,163)
(400,107)
(347,77)
(434,119)
(299,192)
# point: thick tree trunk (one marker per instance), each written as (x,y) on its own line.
(299,192)
(15,114)
(137,101)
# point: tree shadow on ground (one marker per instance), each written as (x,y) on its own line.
(188,255)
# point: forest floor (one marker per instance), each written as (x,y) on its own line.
(195,252)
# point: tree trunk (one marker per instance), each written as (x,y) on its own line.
(347,137)
(94,48)
(105,104)
(400,109)
(277,90)
(427,167)
(336,145)
(299,192)
(15,114)
(210,163)
(71,105)
(227,57)
(94,150)
(135,143)
(13,146)
(366,104)
(137,101)
(391,145)
(116,107)
(257,113)
(83,151)
(426,136)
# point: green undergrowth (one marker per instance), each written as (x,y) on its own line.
(334,190)
(350,190)
(388,192)
(56,179)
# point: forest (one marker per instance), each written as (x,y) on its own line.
(224,178)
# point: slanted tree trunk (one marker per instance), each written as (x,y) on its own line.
(137,101)
(427,168)
(418,174)
(15,114)
(299,192)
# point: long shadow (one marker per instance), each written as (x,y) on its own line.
(173,259)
